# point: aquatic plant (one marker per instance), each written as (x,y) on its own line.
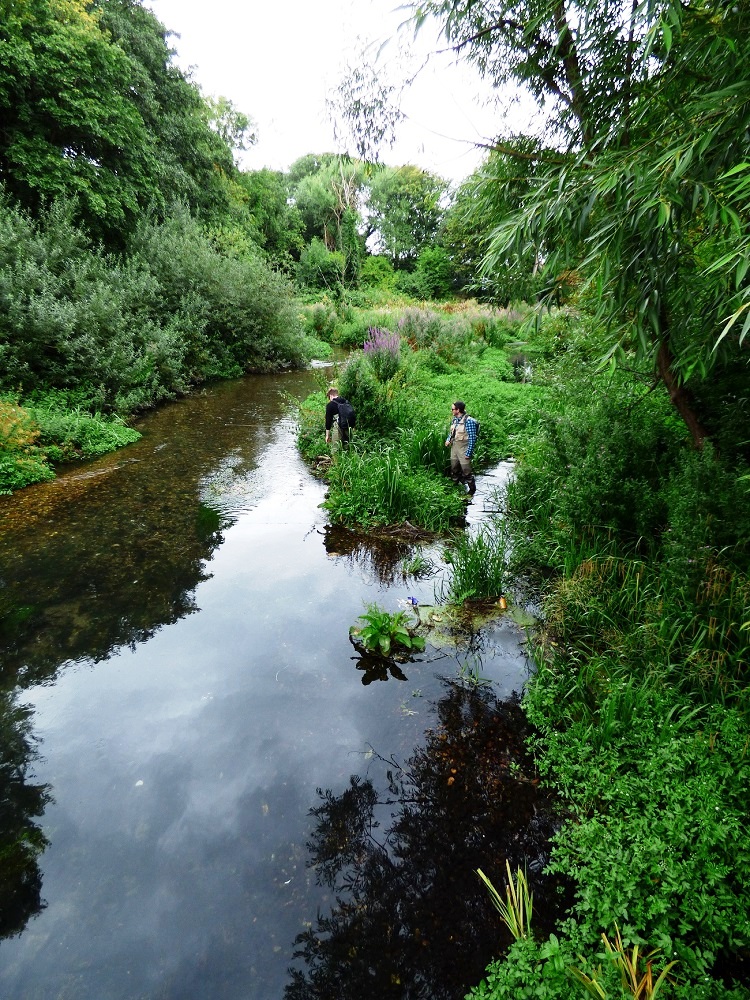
(517,907)
(384,633)
(635,981)
(417,565)
(479,564)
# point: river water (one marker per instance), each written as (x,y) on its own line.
(179,692)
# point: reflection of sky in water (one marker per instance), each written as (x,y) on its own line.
(183,770)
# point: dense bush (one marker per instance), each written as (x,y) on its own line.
(128,332)
(377,272)
(640,694)
(319,267)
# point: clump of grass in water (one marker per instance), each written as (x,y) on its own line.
(385,633)
(417,565)
(480,565)
(381,488)
(517,907)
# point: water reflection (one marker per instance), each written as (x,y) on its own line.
(383,557)
(184,766)
(21,839)
(109,553)
(377,668)
(400,846)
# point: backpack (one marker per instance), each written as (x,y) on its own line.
(347,417)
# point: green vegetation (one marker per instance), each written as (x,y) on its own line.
(517,908)
(137,261)
(401,384)
(385,633)
(640,546)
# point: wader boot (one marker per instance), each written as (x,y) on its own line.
(472,484)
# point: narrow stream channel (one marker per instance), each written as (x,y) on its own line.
(178,683)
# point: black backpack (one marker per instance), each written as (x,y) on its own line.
(347,417)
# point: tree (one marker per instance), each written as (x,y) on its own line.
(234,128)
(276,223)
(649,194)
(92,109)
(327,190)
(70,125)
(405,208)
(193,161)
(494,191)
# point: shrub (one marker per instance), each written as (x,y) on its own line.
(135,330)
(320,267)
(434,275)
(377,272)
(22,462)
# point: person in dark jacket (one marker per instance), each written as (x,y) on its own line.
(336,434)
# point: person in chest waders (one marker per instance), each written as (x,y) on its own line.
(340,419)
(461,440)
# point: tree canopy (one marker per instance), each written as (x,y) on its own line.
(647,187)
(93,109)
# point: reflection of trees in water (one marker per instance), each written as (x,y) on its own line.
(381,556)
(111,582)
(411,918)
(21,840)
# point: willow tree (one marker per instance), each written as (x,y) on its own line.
(648,187)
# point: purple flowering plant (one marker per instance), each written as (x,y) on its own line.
(383,351)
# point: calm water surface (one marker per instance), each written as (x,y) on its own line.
(177,684)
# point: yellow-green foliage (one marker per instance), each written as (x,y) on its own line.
(21,460)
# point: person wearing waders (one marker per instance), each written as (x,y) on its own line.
(339,419)
(461,440)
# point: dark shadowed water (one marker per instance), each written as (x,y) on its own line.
(177,684)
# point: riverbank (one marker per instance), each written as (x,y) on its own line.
(641,548)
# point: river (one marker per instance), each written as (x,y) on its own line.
(179,692)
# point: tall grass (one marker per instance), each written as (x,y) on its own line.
(382,488)
(479,565)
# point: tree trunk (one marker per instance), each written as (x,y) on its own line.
(679,395)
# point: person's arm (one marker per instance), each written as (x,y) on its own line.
(471,430)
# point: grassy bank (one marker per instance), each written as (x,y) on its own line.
(640,549)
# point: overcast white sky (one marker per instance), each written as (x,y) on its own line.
(277,61)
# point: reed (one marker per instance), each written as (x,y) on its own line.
(479,564)
(635,968)
(517,907)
